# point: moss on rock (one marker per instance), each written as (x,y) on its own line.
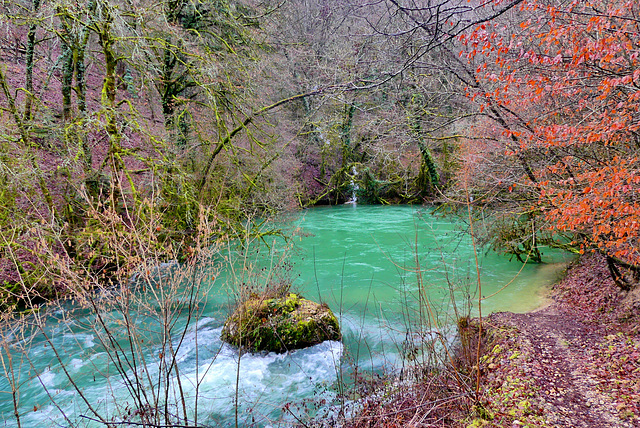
(280,324)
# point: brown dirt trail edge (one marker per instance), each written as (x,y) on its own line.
(560,347)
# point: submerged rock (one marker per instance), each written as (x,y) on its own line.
(280,324)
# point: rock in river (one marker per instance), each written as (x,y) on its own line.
(280,324)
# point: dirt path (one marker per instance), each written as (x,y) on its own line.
(561,355)
(574,363)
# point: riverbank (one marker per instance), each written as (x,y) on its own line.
(574,362)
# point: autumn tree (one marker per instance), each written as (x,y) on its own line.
(567,80)
(498,174)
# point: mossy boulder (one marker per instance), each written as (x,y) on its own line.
(280,324)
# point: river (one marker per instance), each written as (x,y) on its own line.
(395,276)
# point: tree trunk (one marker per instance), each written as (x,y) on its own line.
(67,79)
(31,42)
(617,276)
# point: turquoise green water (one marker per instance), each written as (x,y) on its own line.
(369,263)
(352,253)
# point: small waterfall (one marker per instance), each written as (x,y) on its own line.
(354,188)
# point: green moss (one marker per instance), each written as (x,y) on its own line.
(280,324)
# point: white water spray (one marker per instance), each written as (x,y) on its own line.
(354,188)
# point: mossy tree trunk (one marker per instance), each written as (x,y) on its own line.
(67,74)
(26,140)
(345,134)
(31,46)
(343,178)
(107,39)
(175,75)
(429,177)
(74,36)
(174,83)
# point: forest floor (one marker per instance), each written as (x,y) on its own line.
(572,363)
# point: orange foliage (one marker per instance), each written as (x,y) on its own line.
(567,78)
